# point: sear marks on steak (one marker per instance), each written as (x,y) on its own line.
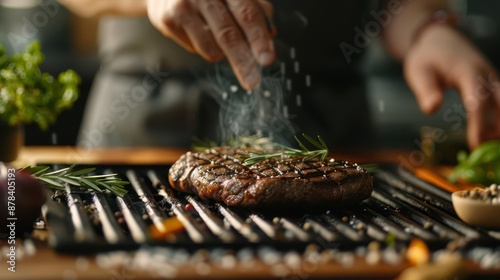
(219,175)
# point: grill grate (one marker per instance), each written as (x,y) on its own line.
(401,206)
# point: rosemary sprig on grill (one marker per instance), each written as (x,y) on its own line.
(243,141)
(288,152)
(263,148)
(80,178)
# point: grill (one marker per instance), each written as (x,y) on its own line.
(401,208)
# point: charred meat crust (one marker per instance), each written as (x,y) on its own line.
(219,175)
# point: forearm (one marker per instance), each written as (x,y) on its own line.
(401,32)
(95,8)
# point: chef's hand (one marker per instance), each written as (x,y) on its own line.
(214,29)
(441,59)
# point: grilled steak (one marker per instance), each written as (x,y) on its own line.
(219,175)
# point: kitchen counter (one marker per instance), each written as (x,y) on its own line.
(41,262)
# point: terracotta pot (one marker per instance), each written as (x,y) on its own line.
(11,141)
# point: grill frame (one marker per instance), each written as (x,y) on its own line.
(417,202)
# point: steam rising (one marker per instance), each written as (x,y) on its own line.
(261,111)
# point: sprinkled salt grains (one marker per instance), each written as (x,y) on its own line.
(360,251)
(245,254)
(233,88)
(200,255)
(477,253)
(246,257)
(266,93)
(296,66)
(289,84)
(381,106)
(373,256)
(490,260)
(69,274)
(280,270)
(312,253)
(82,263)
(29,247)
(345,258)
(180,257)
(228,261)
(298,100)
(292,259)
(141,260)
(224,95)
(285,111)
(203,269)
(216,254)
(269,255)
(391,256)
(283,68)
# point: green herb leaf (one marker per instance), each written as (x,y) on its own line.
(481,166)
(57,179)
(289,152)
(30,96)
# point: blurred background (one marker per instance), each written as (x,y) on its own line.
(70,42)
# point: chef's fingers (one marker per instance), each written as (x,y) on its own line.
(202,39)
(232,41)
(481,98)
(168,18)
(251,19)
(468,88)
(427,88)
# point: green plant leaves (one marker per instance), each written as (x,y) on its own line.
(482,166)
(27,95)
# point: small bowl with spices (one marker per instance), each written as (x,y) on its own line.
(478,207)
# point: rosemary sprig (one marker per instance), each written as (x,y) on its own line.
(288,152)
(80,178)
(263,148)
(245,141)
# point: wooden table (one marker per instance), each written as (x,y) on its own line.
(47,264)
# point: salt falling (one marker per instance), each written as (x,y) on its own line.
(260,110)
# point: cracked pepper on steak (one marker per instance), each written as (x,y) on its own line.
(218,174)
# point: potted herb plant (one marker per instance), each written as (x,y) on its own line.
(27,95)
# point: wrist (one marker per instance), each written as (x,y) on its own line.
(437,18)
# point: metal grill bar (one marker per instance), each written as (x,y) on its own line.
(81,222)
(153,209)
(344,229)
(301,234)
(213,222)
(110,227)
(193,229)
(238,224)
(137,228)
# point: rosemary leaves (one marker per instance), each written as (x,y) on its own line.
(80,178)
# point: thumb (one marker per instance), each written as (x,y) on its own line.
(427,88)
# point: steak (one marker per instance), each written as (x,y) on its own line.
(219,175)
